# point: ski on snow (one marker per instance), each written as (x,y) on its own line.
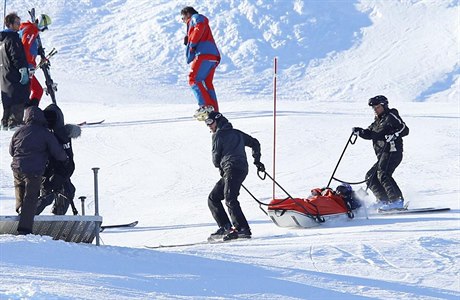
(132,224)
(208,242)
(413,210)
(90,123)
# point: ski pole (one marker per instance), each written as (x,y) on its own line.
(4,12)
(45,60)
(349,141)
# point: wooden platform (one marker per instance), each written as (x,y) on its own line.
(77,229)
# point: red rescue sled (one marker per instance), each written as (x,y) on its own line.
(312,211)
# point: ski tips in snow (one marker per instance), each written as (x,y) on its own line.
(127,225)
(207,242)
(85,123)
(413,210)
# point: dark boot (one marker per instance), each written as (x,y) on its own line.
(220,233)
(243,233)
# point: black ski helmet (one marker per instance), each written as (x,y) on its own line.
(213,116)
(380,99)
(344,190)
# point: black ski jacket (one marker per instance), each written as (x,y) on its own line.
(389,122)
(64,134)
(12,58)
(32,143)
(228,147)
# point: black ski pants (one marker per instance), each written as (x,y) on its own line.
(381,181)
(12,114)
(27,189)
(228,189)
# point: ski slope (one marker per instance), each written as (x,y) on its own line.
(155,160)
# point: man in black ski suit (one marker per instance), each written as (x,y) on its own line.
(386,133)
(30,147)
(228,154)
(56,185)
(14,73)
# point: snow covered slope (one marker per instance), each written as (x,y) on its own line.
(123,61)
(327,50)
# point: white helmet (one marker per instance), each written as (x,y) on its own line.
(43,21)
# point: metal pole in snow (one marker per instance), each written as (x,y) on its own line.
(275,63)
(4,13)
(82,199)
(96,204)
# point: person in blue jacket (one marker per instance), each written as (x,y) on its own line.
(204,57)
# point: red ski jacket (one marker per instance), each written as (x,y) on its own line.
(28,32)
(200,39)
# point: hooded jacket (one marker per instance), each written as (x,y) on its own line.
(12,58)
(64,134)
(228,147)
(33,143)
(389,122)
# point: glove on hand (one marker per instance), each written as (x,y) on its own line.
(24,76)
(260,166)
(357,130)
(391,137)
(185,40)
(221,172)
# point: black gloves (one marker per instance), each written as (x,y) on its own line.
(185,40)
(260,166)
(357,130)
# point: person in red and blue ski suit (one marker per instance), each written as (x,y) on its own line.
(29,32)
(203,55)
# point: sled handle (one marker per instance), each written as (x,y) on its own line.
(263,176)
(266,174)
(351,140)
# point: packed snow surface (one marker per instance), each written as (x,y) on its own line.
(123,61)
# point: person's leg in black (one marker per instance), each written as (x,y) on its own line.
(215,204)
(375,185)
(233,181)
(388,164)
(29,205)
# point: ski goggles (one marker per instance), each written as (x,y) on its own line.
(209,121)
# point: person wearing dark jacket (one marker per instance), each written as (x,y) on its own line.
(386,133)
(30,147)
(57,186)
(229,156)
(14,74)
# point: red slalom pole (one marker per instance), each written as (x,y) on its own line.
(275,65)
